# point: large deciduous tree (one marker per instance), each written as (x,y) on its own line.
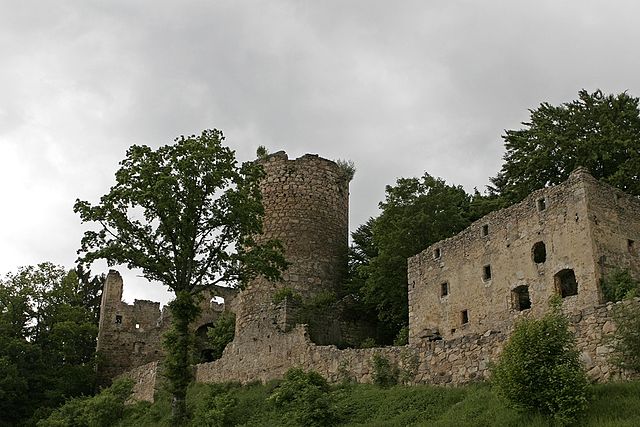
(187,215)
(601,133)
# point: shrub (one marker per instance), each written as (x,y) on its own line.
(104,409)
(368,343)
(619,285)
(222,333)
(384,373)
(347,169)
(539,369)
(217,411)
(625,341)
(403,337)
(285,294)
(305,396)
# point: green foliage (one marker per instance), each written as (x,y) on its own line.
(619,285)
(613,405)
(539,369)
(385,374)
(102,410)
(417,212)
(403,337)
(599,132)
(262,152)
(178,342)
(625,341)
(222,333)
(218,410)
(347,169)
(368,343)
(285,293)
(187,215)
(305,396)
(47,341)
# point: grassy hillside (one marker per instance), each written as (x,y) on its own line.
(615,404)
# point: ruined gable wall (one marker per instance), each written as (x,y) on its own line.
(121,345)
(562,225)
(130,335)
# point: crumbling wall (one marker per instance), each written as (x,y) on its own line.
(130,335)
(615,225)
(513,260)
(447,362)
(457,361)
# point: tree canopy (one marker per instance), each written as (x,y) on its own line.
(599,132)
(416,213)
(187,215)
(47,340)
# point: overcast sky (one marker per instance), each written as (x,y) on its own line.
(400,88)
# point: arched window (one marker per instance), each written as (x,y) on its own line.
(539,252)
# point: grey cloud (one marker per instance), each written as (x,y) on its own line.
(399,88)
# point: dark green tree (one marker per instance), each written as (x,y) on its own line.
(47,342)
(416,213)
(187,215)
(601,133)
(222,333)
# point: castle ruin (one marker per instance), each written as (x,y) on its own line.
(465,292)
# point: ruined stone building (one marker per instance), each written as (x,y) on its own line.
(559,240)
(465,292)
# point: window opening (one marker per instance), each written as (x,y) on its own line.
(137,325)
(436,253)
(539,252)
(542,204)
(631,246)
(464,317)
(444,289)
(118,319)
(521,300)
(486,272)
(566,284)
(485,230)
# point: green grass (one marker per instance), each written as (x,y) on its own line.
(614,404)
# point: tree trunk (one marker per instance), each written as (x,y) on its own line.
(178,343)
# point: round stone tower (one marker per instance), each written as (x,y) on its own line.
(306,204)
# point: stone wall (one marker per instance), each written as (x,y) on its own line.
(144,381)
(130,335)
(514,259)
(446,362)
(457,361)
(306,203)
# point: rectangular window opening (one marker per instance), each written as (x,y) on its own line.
(137,325)
(631,246)
(118,319)
(485,230)
(464,317)
(444,289)
(436,253)
(542,204)
(486,272)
